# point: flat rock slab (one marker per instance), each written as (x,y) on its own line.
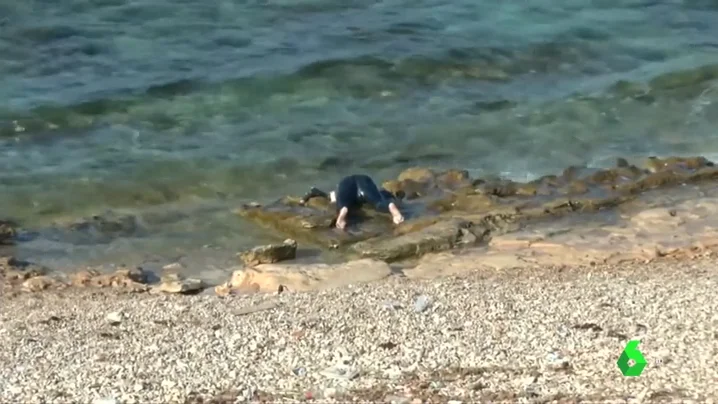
(447,209)
(173,283)
(301,277)
(442,235)
(313,223)
(270,253)
(686,229)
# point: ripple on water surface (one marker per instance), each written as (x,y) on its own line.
(167,105)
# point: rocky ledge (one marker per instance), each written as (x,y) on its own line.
(581,217)
(18,275)
(449,209)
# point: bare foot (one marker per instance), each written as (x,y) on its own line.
(396,215)
(342,218)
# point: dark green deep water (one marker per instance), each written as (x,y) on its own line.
(180,110)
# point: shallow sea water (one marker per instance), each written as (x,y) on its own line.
(193,107)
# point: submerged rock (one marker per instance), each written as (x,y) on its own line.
(100,229)
(655,164)
(685,78)
(271,253)
(8,231)
(448,209)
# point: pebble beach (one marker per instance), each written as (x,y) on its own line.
(550,334)
(555,162)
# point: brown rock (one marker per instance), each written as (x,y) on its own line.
(453,179)
(302,277)
(40,283)
(415,225)
(411,189)
(7,231)
(615,175)
(655,164)
(393,186)
(529,189)
(545,185)
(83,278)
(653,180)
(474,203)
(319,203)
(444,204)
(417,174)
(270,253)
(571,173)
(439,236)
(686,78)
(313,225)
(604,176)
(224,289)
(173,283)
(23,274)
(18,270)
(130,274)
(576,187)
(500,188)
(134,279)
(407,188)
(508,243)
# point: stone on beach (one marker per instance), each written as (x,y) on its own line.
(129,279)
(39,283)
(270,254)
(174,283)
(301,277)
(115,317)
(15,269)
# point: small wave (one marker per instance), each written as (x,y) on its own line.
(361,77)
(355,77)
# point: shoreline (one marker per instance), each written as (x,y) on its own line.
(532,334)
(675,222)
(536,314)
(444,210)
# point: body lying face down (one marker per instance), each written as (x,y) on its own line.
(353,192)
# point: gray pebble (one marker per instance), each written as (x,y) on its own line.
(422,303)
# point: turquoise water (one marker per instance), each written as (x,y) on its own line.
(191,107)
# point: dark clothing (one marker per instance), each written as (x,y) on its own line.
(313,193)
(355,190)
